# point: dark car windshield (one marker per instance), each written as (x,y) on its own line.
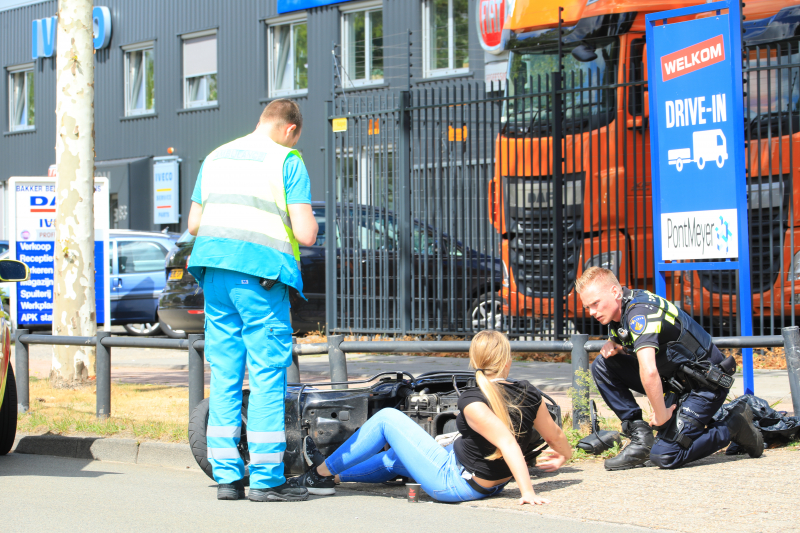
(186,238)
(529,82)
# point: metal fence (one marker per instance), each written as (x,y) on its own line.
(458,209)
(336,347)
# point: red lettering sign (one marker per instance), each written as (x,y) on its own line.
(692,58)
(491,17)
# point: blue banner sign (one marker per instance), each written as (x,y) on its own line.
(35,296)
(32,241)
(697,147)
(287,6)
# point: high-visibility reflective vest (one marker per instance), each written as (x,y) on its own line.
(245,224)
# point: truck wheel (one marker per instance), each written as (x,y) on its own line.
(720,161)
(8,414)
(679,164)
(198,423)
(701,163)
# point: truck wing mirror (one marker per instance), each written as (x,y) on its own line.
(584,53)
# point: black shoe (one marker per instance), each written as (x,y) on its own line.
(637,452)
(743,432)
(311,454)
(231,491)
(284,493)
(315,483)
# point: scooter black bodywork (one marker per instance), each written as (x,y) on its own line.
(331,415)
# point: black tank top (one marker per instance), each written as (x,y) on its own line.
(472,448)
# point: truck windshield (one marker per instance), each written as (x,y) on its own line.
(530,79)
(773,88)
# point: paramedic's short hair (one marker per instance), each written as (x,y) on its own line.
(594,275)
(282,111)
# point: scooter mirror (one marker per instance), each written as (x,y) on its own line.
(11,270)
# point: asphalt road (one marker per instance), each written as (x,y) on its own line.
(43,493)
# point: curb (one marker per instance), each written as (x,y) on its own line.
(108,449)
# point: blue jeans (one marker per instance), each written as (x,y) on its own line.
(413,454)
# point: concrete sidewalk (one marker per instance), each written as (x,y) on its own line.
(718,494)
(145,365)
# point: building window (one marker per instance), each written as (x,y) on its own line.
(288,58)
(200,69)
(446,37)
(21,109)
(139,80)
(362,38)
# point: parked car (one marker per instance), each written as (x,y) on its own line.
(180,308)
(137,278)
(10,272)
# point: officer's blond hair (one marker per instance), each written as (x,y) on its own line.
(489,353)
(594,275)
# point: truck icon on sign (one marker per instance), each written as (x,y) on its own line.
(708,145)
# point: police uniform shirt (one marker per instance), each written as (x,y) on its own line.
(648,322)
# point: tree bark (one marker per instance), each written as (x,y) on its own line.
(74,295)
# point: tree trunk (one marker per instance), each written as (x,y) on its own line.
(74,295)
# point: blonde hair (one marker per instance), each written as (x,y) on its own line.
(489,353)
(594,275)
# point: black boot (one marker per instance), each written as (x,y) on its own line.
(231,491)
(743,432)
(637,452)
(285,493)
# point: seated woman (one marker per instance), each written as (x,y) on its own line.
(495,421)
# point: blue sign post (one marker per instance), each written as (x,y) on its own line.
(697,148)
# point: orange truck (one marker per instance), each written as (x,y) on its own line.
(596,121)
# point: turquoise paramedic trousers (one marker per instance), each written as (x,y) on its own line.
(246,325)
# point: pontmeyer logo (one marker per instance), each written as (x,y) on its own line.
(692,58)
(723,235)
(699,235)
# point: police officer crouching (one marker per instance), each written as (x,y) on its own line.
(251,210)
(656,349)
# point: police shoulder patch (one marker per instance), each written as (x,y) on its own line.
(637,324)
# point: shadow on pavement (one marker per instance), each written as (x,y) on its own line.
(16,465)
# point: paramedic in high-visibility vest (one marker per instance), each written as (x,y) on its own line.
(251,209)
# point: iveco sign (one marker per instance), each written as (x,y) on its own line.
(43,33)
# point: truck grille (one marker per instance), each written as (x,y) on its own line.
(532,233)
(768,221)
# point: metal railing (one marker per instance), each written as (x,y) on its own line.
(579,346)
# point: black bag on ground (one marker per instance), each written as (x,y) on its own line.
(775,426)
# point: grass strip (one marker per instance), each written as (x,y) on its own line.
(141,412)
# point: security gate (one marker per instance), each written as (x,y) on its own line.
(432,188)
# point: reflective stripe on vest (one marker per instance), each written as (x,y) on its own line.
(244,197)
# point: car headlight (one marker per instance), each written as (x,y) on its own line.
(794,272)
(609,260)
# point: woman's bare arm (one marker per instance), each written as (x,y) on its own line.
(481,418)
(554,437)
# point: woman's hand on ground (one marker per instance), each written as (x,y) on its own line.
(552,461)
(532,499)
